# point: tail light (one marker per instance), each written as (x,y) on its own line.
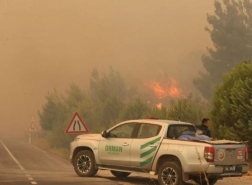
(209,154)
(246,154)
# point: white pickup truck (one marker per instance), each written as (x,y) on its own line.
(152,146)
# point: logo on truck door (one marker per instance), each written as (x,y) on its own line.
(113,149)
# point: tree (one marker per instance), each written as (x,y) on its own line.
(232,104)
(110,84)
(75,97)
(232,39)
(188,109)
(108,95)
(136,109)
(99,107)
(78,101)
(53,110)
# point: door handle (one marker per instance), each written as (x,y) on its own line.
(125,144)
(154,145)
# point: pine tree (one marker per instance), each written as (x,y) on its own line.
(231,35)
(232,105)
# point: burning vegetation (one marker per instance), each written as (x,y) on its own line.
(166,89)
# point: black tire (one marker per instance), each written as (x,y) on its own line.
(120,174)
(170,173)
(211,181)
(84,164)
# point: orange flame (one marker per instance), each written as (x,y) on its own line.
(159,105)
(167,89)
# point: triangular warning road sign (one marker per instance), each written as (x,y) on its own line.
(76,125)
(32,128)
(32,119)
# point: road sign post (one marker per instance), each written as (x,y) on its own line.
(29,138)
(31,129)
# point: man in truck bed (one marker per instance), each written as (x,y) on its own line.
(204,127)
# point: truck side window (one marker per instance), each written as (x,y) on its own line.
(123,131)
(148,130)
(170,133)
(174,131)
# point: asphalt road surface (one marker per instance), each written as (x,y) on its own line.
(23,164)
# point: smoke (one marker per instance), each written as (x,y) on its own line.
(50,44)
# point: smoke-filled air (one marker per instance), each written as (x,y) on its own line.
(156,47)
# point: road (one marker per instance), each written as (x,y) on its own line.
(23,164)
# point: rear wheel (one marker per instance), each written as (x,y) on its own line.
(84,164)
(212,181)
(120,174)
(170,173)
(203,181)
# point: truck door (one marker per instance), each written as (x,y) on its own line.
(145,145)
(115,149)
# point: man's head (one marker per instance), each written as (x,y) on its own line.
(205,121)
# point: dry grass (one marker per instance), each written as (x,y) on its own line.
(202,171)
(250,169)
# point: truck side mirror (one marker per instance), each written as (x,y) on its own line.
(104,134)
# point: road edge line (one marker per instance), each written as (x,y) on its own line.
(12,156)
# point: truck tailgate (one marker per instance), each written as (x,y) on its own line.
(229,152)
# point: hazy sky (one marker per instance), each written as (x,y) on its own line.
(48,44)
